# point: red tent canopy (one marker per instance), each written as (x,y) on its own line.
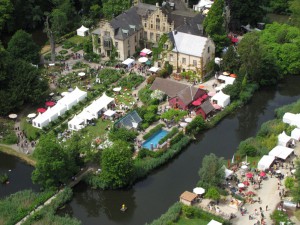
(143,54)
(41,110)
(197,102)
(50,103)
(249,175)
(204,96)
(262,174)
(234,40)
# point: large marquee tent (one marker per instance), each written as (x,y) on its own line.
(296,134)
(265,162)
(284,139)
(221,99)
(291,119)
(59,109)
(281,152)
(82,31)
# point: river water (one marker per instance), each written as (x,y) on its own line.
(151,197)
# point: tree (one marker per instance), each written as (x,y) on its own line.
(214,25)
(295,9)
(213,193)
(21,46)
(6,9)
(51,167)
(289,183)
(122,134)
(212,172)
(245,12)
(196,125)
(112,8)
(231,61)
(117,165)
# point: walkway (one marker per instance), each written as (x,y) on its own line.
(78,178)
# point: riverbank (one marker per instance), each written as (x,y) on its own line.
(10,151)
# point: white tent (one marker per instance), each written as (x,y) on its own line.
(213,222)
(109,113)
(146,51)
(227,79)
(153,69)
(228,173)
(265,162)
(199,190)
(59,109)
(98,106)
(281,152)
(82,31)
(76,123)
(221,99)
(128,62)
(292,119)
(284,139)
(296,134)
(202,4)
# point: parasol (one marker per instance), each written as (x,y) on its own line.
(116,89)
(183,124)
(50,103)
(249,175)
(13,116)
(188,120)
(262,174)
(241,185)
(41,110)
(31,115)
(143,59)
(199,190)
(81,74)
(226,73)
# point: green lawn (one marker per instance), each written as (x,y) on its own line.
(195,221)
(77,39)
(98,130)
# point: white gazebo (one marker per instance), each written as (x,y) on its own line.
(154,69)
(296,134)
(221,99)
(281,152)
(284,139)
(265,162)
(82,31)
(128,62)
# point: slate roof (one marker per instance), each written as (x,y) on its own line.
(207,107)
(176,89)
(192,25)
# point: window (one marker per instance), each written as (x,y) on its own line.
(145,35)
(157,23)
(151,26)
(157,37)
(145,25)
(135,39)
(183,61)
(116,44)
(99,40)
(208,50)
(151,36)
(194,63)
(166,46)
(171,58)
(107,43)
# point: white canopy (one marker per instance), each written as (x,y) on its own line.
(59,109)
(213,222)
(109,113)
(128,61)
(296,134)
(281,152)
(143,59)
(116,89)
(227,79)
(284,139)
(265,162)
(98,105)
(81,74)
(146,51)
(228,173)
(154,69)
(199,190)
(221,99)
(292,119)
(76,123)
(82,31)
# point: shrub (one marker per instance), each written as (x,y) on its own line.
(197,125)
(153,131)
(63,52)
(144,94)
(247,148)
(122,134)
(169,135)
(280,216)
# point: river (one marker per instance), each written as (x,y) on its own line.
(151,197)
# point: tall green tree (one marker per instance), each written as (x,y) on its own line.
(21,46)
(51,167)
(6,9)
(117,165)
(243,12)
(214,25)
(231,61)
(295,9)
(212,172)
(112,8)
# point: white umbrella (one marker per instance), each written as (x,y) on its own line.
(188,120)
(143,59)
(244,167)
(226,73)
(183,124)
(13,116)
(51,94)
(81,74)
(31,115)
(116,89)
(293,171)
(64,93)
(199,190)
(278,171)
(241,185)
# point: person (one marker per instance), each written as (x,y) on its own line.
(259,201)
(256,212)
(266,207)
(260,209)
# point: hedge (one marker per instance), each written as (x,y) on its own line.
(153,131)
(169,135)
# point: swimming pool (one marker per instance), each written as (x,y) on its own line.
(154,139)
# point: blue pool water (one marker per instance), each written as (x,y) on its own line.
(154,139)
